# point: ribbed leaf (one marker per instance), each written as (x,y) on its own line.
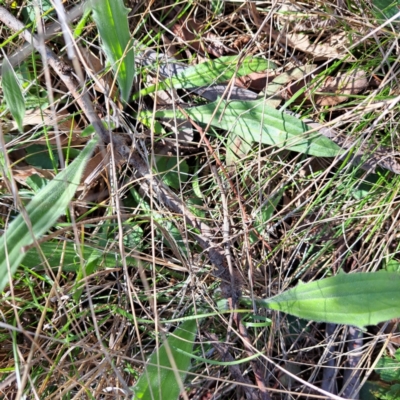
(254,121)
(385,8)
(57,252)
(210,72)
(358,299)
(42,211)
(111,18)
(13,94)
(158,382)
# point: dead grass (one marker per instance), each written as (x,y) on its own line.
(296,217)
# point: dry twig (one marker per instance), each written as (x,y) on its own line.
(151,185)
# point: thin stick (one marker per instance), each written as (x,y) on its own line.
(154,188)
(51,30)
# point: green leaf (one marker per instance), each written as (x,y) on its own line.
(39,157)
(13,94)
(389,368)
(30,12)
(111,18)
(375,391)
(392,266)
(168,167)
(256,122)
(42,212)
(80,26)
(210,72)
(36,182)
(365,186)
(385,8)
(358,299)
(236,149)
(133,238)
(158,382)
(394,392)
(57,252)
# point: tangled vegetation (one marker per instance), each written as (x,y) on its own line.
(199,199)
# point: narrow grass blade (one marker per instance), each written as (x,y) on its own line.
(210,72)
(256,122)
(158,380)
(43,211)
(217,6)
(358,299)
(111,18)
(13,94)
(81,24)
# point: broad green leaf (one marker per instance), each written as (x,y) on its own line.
(38,156)
(57,252)
(66,253)
(254,121)
(158,380)
(111,19)
(133,238)
(168,167)
(36,182)
(358,299)
(392,266)
(42,211)
(389,368)
(30,12)
(236,149)
(210,72)
(196,181)
(13,94)
(196,206)
(377,390)
(85,269)
(385,8)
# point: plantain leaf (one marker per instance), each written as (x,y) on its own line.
(358,299)
(38,156)
(256,122)
(57,252)
(385,9)
(158,380)
(42,211)
(168,168)
(13,94)
(111,18)
(210,72)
